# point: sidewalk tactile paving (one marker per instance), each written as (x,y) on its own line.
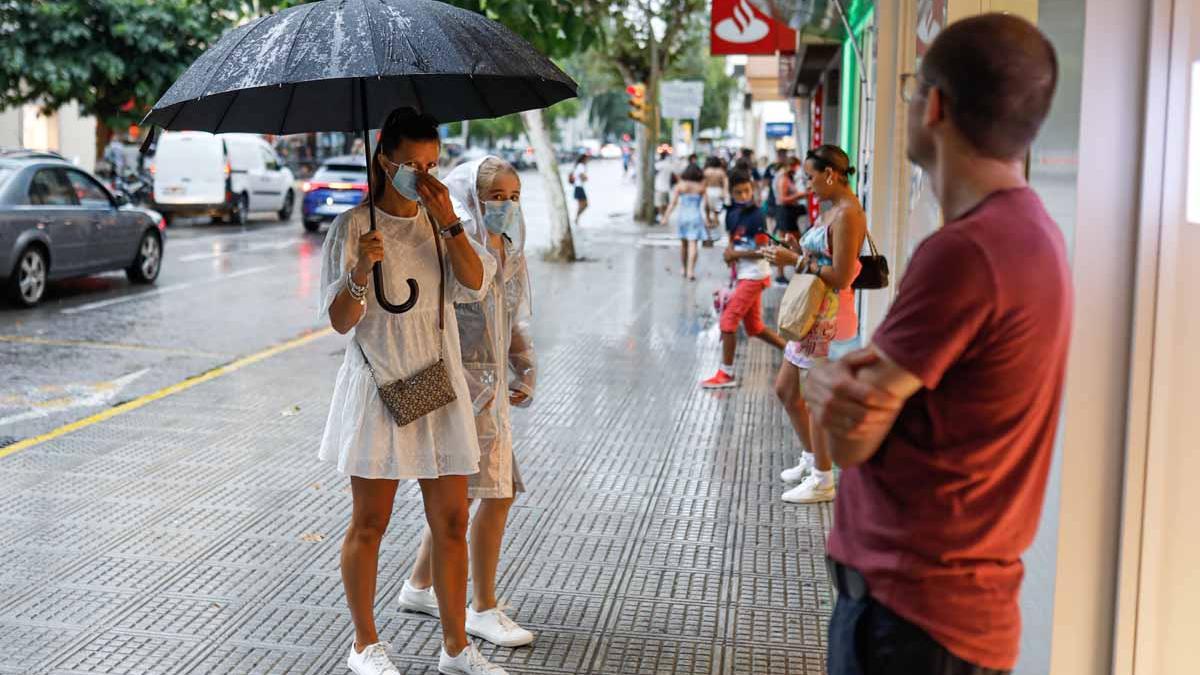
(199,534)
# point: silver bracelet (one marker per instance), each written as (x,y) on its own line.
(357,292)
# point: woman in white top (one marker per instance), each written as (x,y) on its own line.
(501,372)
(579,178)
(416,223)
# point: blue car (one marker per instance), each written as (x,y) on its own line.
(337,186)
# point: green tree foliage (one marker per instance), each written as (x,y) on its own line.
(113,57)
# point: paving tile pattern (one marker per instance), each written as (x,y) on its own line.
(199,534)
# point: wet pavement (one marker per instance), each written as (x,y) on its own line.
(195,531)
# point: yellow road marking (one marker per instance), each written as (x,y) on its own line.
(30,340)
(165,392)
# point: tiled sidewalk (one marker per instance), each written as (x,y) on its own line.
(199,534)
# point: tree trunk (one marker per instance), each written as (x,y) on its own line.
(104,134)
(643,209)
(562,242)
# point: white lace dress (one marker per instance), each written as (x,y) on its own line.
(360,434)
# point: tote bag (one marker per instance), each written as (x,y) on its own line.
(800,304)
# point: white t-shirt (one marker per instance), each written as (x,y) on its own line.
(662,175)
(580,174)
(751,269)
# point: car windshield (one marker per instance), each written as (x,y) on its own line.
(347,173)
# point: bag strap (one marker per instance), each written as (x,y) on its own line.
(871,244)
(437,242)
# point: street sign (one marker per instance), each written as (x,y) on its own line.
(681,99)
(779,129)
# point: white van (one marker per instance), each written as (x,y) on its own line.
(226,176)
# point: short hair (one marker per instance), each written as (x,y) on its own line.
(740,177)
(713,162)
(998,73)
(747,153)
(742,165)
(402,124)
(692,173)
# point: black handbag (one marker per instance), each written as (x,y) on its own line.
(874,273)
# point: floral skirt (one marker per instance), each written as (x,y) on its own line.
(815,346)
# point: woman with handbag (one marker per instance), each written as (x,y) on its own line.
(501,373)
(830,251)
(401,409)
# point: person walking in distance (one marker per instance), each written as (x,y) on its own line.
(688,197)
(789,206)
(495,339)
(664,169)
(419,235)
(579,178)
(830,250)
(747,236)
(944,426)
(782,163)
(716,192)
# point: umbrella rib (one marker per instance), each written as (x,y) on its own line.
(287,62)
(249,29)
(232,100)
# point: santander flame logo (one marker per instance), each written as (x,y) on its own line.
(744,27)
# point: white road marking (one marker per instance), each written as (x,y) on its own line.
(165,289)
(78,396)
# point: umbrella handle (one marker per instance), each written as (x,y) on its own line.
(414,292)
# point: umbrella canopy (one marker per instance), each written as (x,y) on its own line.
(309,68)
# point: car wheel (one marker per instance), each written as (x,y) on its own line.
(148,263)
(239,211)
(312,225)
(27,284)
(289,203)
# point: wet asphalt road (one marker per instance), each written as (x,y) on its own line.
(224,292)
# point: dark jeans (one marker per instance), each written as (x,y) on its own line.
(866,638)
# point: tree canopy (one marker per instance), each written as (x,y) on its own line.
(113,57)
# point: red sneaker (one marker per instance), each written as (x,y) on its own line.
(719,381)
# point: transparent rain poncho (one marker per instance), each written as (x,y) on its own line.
(497,348)
(360,434)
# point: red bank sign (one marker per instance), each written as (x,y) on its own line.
(738,27)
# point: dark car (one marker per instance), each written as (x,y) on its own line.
(58,221)
(337,186)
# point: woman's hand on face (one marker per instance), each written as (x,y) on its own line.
(436,198)
(370,251)
(778,255)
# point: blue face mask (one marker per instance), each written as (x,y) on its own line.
(405,181)
(501,217)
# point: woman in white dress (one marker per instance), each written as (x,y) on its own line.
(416,226)
(501,372)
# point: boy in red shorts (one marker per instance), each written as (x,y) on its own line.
(747,234)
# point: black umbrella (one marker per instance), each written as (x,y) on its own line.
(343,65)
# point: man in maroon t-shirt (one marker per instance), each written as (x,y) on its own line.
(944,426)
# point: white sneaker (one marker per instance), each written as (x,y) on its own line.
(468,662)
(810,491)
(422,600)
(494,626)
(798,472)
(373,660)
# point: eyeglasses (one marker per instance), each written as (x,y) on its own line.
(912,86)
